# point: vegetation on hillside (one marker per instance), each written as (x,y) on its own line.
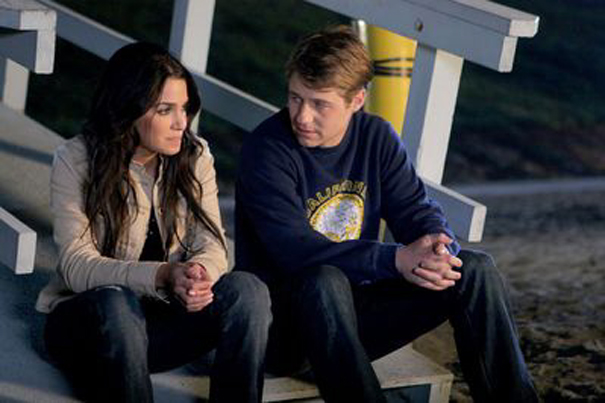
(544,119)
(547,117)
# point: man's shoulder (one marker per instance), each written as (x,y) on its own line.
(275,126)
(370,119)
(273,133)
(375,129)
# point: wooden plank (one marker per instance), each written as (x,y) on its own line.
(465,216)
(404,367)
(18,242)
(232,104)
(494,16)
(435,29)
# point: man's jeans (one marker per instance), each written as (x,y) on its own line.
(340,329)
(108,341)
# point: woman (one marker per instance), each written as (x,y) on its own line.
(141,284)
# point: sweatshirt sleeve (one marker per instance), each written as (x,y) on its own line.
(407,209)
(81,266)
(268,196)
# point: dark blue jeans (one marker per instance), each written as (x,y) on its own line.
(340,329)
(108,341)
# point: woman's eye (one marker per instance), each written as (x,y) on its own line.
(163,111)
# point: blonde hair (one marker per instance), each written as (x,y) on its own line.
(332,58)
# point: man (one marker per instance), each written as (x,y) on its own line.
(315,180)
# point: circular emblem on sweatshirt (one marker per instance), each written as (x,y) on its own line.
(339,218)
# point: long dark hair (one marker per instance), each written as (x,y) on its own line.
(131,84)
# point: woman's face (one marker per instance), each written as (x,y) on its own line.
(161,127)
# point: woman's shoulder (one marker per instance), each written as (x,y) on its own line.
(201,147)
(73,149)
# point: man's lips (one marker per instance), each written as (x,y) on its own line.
(304,132)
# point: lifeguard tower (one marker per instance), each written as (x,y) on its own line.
(446,32)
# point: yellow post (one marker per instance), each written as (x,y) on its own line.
(393,57)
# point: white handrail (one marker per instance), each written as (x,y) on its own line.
(220,98)
(448,31)
(477,30)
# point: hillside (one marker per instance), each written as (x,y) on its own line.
(547,117)
(544,119)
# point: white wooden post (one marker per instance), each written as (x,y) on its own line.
(190,32)
(430,110)
(190,35)
(13,84)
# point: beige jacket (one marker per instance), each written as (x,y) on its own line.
(81,266)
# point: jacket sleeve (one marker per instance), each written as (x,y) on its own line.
(209,251)
(81,266)
(407,209)
(268,195)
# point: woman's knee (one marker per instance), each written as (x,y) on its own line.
(118,311)
(107,316)
(114,303)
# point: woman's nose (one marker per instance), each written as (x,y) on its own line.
(179,121)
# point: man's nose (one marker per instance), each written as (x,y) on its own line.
(303,114)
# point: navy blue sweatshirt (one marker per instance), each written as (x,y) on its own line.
(299,207)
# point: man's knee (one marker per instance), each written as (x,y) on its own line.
(245,293)
(477,262)
(479,269)
(321,290)
(323,282)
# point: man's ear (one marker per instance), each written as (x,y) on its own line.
(359,99)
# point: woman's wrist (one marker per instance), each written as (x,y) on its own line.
(162,276)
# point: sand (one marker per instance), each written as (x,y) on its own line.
(551,250)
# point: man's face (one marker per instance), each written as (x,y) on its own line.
(319,117)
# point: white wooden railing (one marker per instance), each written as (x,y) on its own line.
(27,42)
(447,32)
